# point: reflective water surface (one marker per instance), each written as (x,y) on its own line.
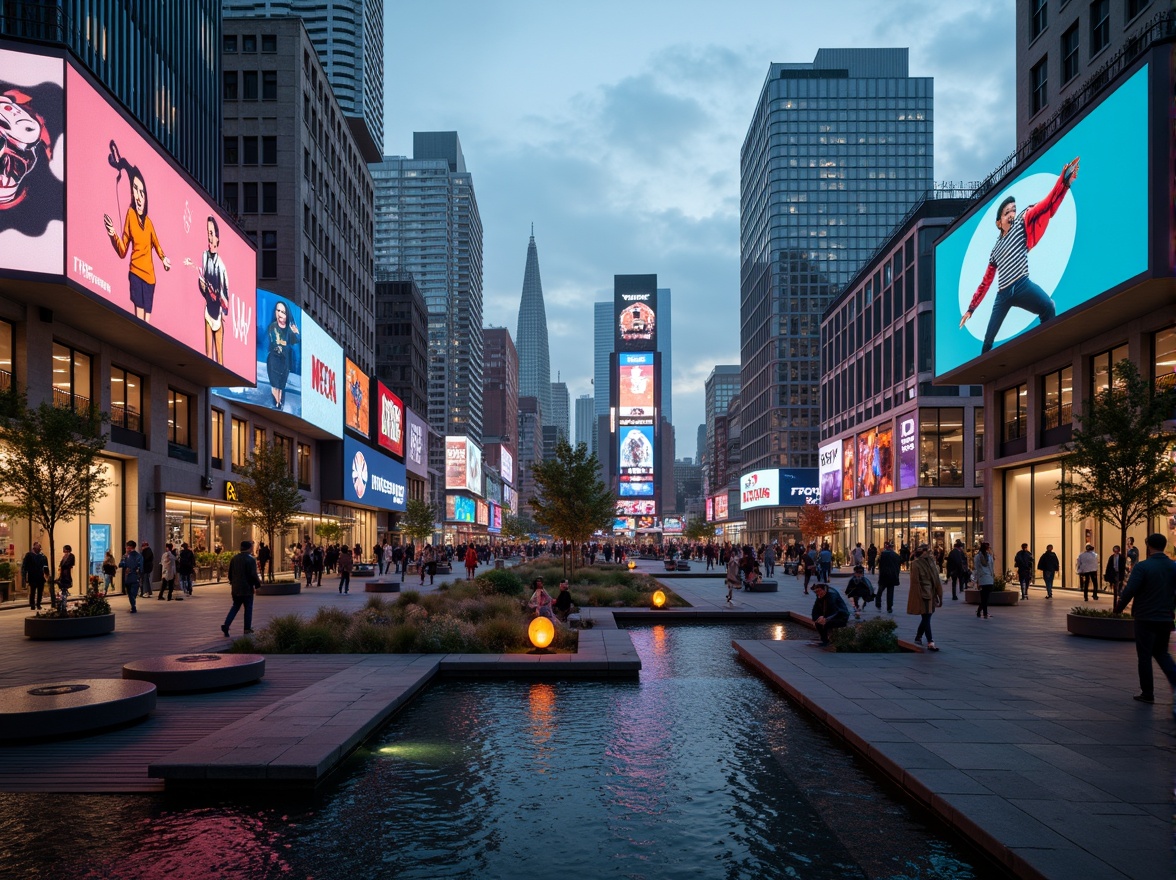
(697,770)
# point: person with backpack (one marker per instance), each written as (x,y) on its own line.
(132,566)
(186,568)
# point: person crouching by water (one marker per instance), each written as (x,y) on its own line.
(860,589)
(926,593)
(829,612)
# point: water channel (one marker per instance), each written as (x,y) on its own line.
(697,770)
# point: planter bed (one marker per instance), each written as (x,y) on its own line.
(1117,628)
(68,627)
(280,588)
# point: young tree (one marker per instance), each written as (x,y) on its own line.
(814,523)
(517,528)
(1116,467)
(418,520)
(330,532)
(572,503)
(49,467)
(268,493)
(699,530)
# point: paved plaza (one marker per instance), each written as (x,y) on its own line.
(1021,736)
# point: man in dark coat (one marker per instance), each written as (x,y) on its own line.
(957,568)
(148,567)
(829,611)
(244,581)
(1049,566)
(34,570)
(1152,587)
(1023,562)
(889,564)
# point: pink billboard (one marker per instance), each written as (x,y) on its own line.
(142,238)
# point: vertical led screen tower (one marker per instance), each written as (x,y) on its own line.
(635,398)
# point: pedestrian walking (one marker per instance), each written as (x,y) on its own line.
(244,581)
(132,566)
(167,564)
(1116,571)
(471,562)
(1087,565)
(65,568)
(889,565)
(34,570)
(1151,590)
(109,570)
(926,594)
(957,569)
(148,567)
(346,564)
(186,568)
(985,577)
(770,560)
(872,556)
(732,580)
(1023,562)
(1049,566)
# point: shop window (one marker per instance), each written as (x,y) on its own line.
(941,447)
(126,400)
(5,355)
(978,441)
(71,378)
(303,466)
(1164,368)
(217,448)
(1057,394)
(1102,368)
(1014,419)
(179,418)
(240,441)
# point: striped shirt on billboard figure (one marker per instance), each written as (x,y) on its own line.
(1009,260)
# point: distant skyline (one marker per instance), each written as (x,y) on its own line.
(616,129)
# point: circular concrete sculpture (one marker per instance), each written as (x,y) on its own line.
(280,588)
(381,585)
(180,673)
(68,627)
(1120,629)
(77,706)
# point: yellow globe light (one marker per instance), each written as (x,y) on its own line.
(659,599)
(541,632)
(632,565)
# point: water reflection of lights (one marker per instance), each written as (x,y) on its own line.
(660,645)
(778,634)
(422,752)
(541,699)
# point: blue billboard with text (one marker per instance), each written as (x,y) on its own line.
(371,478)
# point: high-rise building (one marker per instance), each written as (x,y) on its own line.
(500,394)
(348,36)
(561,405)
(402,339)
(665,314)
(172,85)
(586,421)
(602,347)
(700,444)
(530,449)
(837,152)
(284,175)
(721,385)
(534,356)
(427,223)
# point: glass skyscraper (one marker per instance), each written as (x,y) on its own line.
(602,346)
(837,152)
(534,355)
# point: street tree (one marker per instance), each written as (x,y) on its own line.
(418,520)
(518,528)
(573,503)
(267,492)
(330,532)
(814,523)
(1117,466)
(699,529)
(50,466)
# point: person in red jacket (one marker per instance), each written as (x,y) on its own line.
(1009,261)
(471,561)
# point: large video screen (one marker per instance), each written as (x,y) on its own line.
(463,464)
(32,163)
(635,312)
(389,420)
(458,508)
(371,477)
(908,451)
(636,508)
(875,462)
(760,489)
(635,385)
(799,486)
(635,461)
(830,472)
(299,367)
(150,244)
(416,449)
(357,403)
(1070,226)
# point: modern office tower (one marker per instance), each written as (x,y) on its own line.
(586,421)
(560,409)
(837,152)
(348,36)
(530,449)
(500,396)
(427,223)
(534,356)
(700,444)
(665,314)
(172,85)
(721,385)
(687,483)
(296,180)
(1059,46)
(602,347)
(402,339)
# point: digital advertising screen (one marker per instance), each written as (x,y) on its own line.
(416,449)
(908,451)
(32,165)
(481,513)
(389,420)
(628,507)
(372,478)
(357,402)
(506,464)
(710,510)
(799,486)
(458,508)
(875,462)
(721,506)
(152,245)
(621,524)
(463,464)
(646,522)
(848,474)
(635,385)
(299,367)
(830,470)
(495,518)
(760,489)
(672,525)
(635,312)
(1046,243)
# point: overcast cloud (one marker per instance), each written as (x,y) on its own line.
(615,127)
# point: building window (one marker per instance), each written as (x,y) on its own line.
(1164,368)
(250,201)
(1134,7)
(240,443)
(1038,18)
(1102,368)
(1100,26)
(230,85)
(269,150)
(269,43)
(231,203)
(1070,57)
(126,400)
(5,355)
(232,156)
(269,254)
(248,42)
(269,198)
(179,418)
(269,85)
(1038,85)
(71,378)
(249,151)
(1014,413)
(978,441)
(1057,398)
(217,448)
(229,44)
(249,85)
(286,444)
(941,447)
(258,438)
(303,466)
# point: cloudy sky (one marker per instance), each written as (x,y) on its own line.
(615,128)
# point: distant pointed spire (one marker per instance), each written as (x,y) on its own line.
(531,341)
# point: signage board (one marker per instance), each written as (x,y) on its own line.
(389,420)
(357,404)
(371,478)
(635,312)
(760,489)
(830,472)
(908,451)
(463,464)
(875,462)
(459,508)
(631,507)
(635,457)
(416,448)
(506,464)
(635,382)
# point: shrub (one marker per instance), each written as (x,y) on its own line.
(565,639)
(320,638)
(409,597)
(445,634)
(283,635)
(500,582)
(501,635)
(870,637)
(366,638)
(1083,611)
(402,639)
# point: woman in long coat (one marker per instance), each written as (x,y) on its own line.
(926,593)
